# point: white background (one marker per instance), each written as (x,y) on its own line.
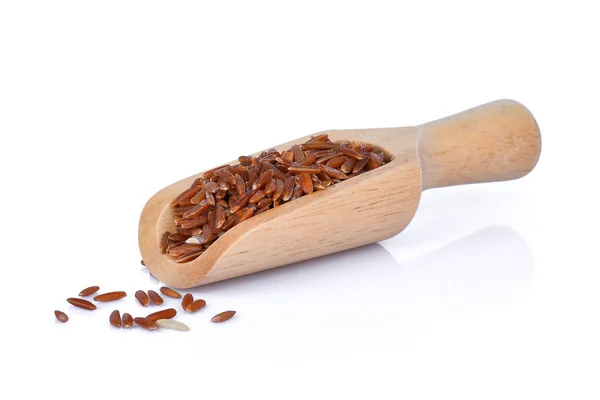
(492,292)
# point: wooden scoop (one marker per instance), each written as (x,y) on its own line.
(494,142)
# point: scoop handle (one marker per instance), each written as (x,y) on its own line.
(496,141)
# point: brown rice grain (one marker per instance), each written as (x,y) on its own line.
(326,157)
(231,221)
(224,185)
(283,161)
(242,201)
(252,176)
(211,173)
(278,189)
(185,203)
(155,297)
(61,316)
(261,210)
(268,157)
(318,138)
(244,214)
(347,166)
(142,297)
(88,291)
(201,195)
(146,323)
(352,153)
(288,155)
(245,160)
(197,182)
(189,232)
(210,199)
(337,162)
(164,242)
(281,175)
(196,210)
(302,169)
(240,185)
(167,291)
(162,314)
(308,160)
(81,303)
(178,212)
(227,176)
(110,296)
(288,189)
(208,234)
(306,183)
(221,194)
(212,220)
(220,216)
(319,146)
(188,298)
(297,192)
(115,319)
(222,317)
(360,165)
(262,180)
(324,177)
(195,305)
(266,202)
(332,172)
(127,320)
(222,203)
(187,194)
(257,197)
(297,152)
(211,187)
(194,222)
(177,237)
(270,186)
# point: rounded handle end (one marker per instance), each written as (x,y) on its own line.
(496,141)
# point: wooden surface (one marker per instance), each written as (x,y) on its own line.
(494,142)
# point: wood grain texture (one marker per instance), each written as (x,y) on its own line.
(493,142)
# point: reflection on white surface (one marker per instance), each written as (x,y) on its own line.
(354,296)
